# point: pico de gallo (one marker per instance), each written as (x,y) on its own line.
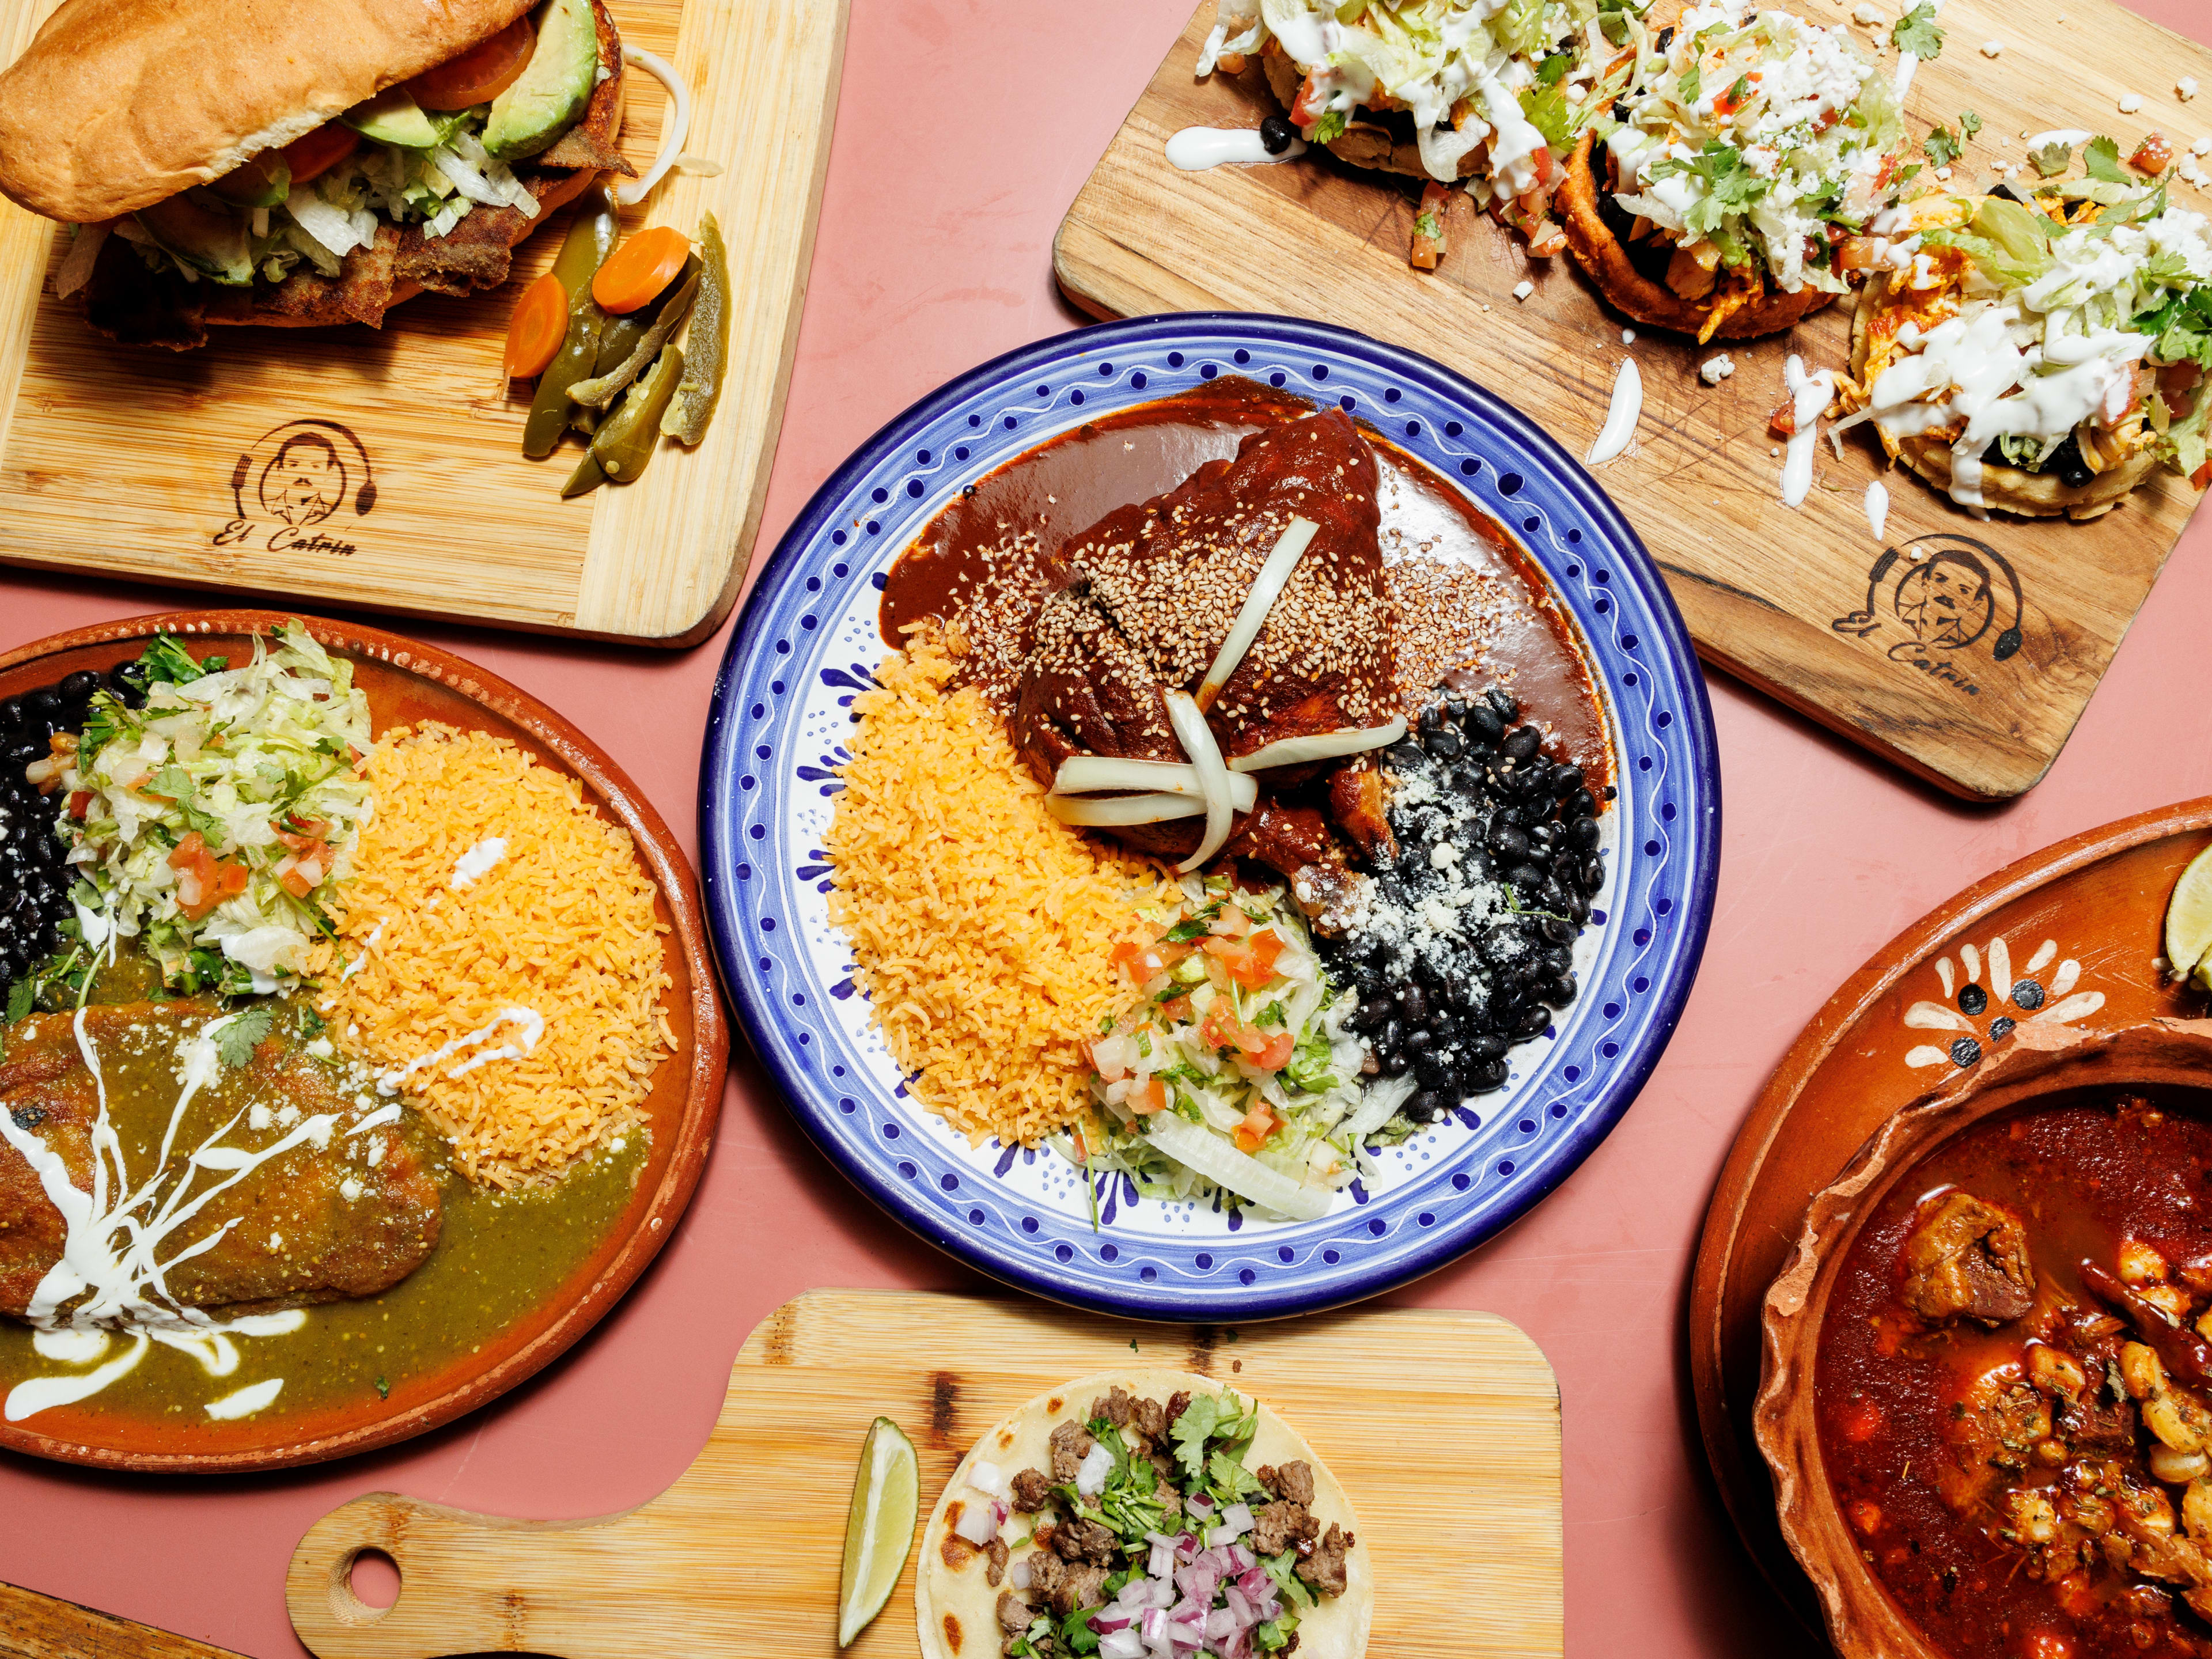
(1232,1074)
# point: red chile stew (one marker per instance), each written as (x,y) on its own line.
(2012,1391)
(1494,621)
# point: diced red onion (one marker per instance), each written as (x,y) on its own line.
(1121,1644)
(1220,1623)
(1239,1603)
(1255,1582)
(1090,1476)
(1154,1626)
(1241,1557)
(978,1523)
(1104,1622)
(1202,1503)
(1162,1562)
(1238,1518)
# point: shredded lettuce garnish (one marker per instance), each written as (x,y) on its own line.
(248,777)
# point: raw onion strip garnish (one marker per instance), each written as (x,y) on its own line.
(1266,587)
(1114,811)
(1091,774)
(1319,746)
(1213,777)
(674,126)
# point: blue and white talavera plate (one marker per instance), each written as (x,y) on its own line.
(807,645)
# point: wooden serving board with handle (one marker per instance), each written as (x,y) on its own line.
(1963,648)
(1443,1427)
(415,495)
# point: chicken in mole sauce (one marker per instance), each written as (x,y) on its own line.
(2014,1384)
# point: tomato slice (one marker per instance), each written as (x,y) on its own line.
(538,326)
(640,268)
(320,150)
(478,74)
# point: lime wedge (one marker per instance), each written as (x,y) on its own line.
(2189,917)
(886,1493)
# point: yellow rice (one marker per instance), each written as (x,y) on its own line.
(981,926)
(563,924)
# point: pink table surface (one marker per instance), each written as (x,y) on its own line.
(934,254)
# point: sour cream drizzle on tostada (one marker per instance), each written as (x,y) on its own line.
(2067,334)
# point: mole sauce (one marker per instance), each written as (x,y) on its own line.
(1473,607)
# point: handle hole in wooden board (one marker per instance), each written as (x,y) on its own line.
(364,1587)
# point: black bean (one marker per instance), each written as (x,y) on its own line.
(1469,782)
(1405,755)
(1582,832)
(1446,743)
(1484,1047)
(1525,876)
(1508,813)
(1484,727)
(1391,1065)
(1611,792)
(11,717)
(1581,805)
(1563,990)
(1413,1004)
(1541,835)
(1557,960)
(1275,135)
(1593,875)
(1507,842)
(1418,1043)
(1429,1105)
(1435,1071)
(1432,718)
(1521,743)
(76,687)
(1391,1037)
(1504,703)
(1566,779)
(1532,1023)
(43,704)
(1483,1080)
(1455,710)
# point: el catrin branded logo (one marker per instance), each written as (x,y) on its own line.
(296,476)
(1934,607)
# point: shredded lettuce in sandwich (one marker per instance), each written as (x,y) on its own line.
(320,222)
(217,819)
(1756,141)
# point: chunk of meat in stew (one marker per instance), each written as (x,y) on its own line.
(1968,1258)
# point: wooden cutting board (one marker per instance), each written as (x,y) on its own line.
(1443,1427)
(1809,605)
(128,462)
(35,1626)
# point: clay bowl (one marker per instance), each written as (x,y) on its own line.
(407,681)
(1863,1621)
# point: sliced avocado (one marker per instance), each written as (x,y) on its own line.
(393,117)
(549,94)
(263,181)
(211,241)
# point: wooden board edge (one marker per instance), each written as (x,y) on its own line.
(34,1625)
(680,618)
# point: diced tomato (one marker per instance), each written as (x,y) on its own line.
(1428,246)
(1546,167)
(1306,107)
(2201,478)
(1222,1030)
(1151,1098)
(1278,1052)
(196,876)
(1258,1123)
(320,150)
(1889,166)
(298,876)
(80,803)
(231,879)
(1176,1008)
(2154,154)
(1266,944)
(1738,94)
(1141,963)
(1231,923)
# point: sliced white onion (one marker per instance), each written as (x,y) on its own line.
(1197,739)
(1090,775)
(1117,812)
(1212,1156)
(84,250)
(1091,1474)
(674,126)
(1267,588)
(1320,746)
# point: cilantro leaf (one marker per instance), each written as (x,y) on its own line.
(1190,1432)
(312,1024)
(21,996)
(1193,926)
(1915,32)
(1331,125)
(168,661)
(2053,159)
(383,1389)
(236,1042)
(1969,122)
(1554,68)
(1941,148)
(1229,1480)
(1693,83)
(1730,186)
(2100,159)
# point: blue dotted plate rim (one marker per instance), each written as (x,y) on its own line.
(1026,1258)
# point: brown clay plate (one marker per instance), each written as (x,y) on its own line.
(405,680)
(2068,935)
